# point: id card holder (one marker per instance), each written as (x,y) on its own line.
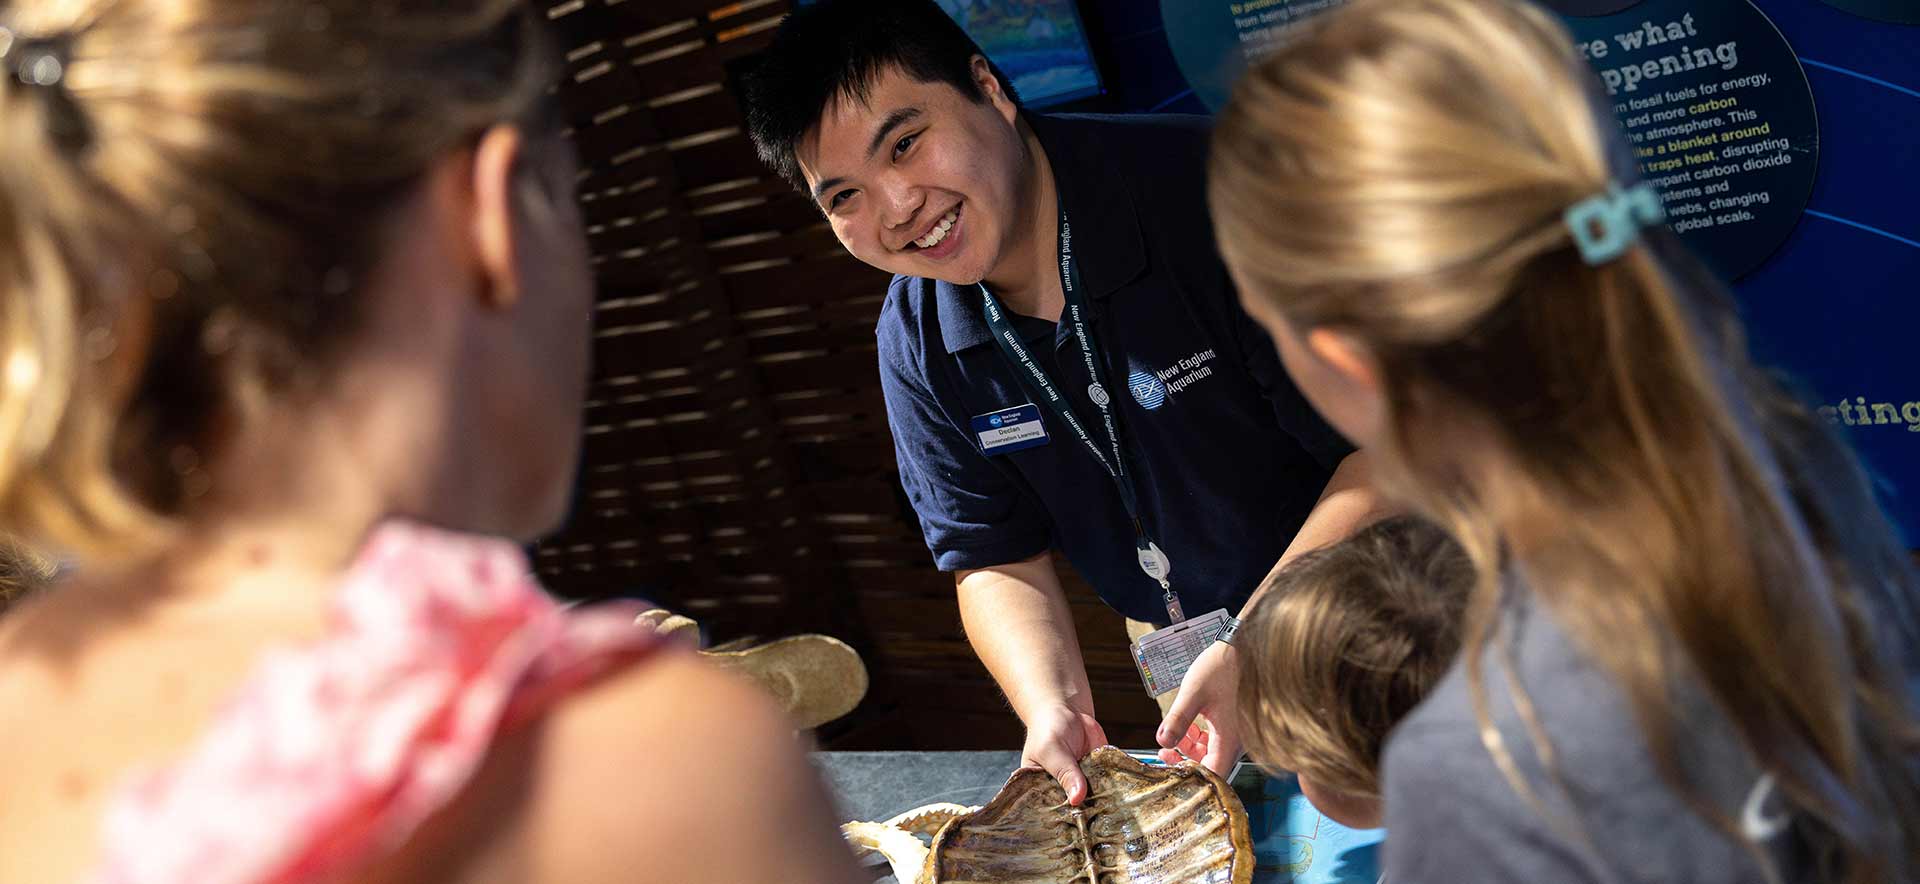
(1010,429)
(1164,655)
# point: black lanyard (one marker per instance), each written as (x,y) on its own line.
(1113,455)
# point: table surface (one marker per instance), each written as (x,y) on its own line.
(1293,843)
(873,786)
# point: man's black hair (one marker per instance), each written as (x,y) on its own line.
(837,49)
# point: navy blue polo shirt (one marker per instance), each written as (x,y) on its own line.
(1228,458)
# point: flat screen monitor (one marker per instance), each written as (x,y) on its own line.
(1041,45)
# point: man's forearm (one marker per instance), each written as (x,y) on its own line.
(1018,622)
(1348,504)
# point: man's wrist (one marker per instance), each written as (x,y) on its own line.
(1029,710)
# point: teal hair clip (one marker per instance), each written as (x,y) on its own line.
(1606,224)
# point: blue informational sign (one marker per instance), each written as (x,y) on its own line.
(1784,135)
(1719,115)
(1838,305)
(1293,843)
(1906,12)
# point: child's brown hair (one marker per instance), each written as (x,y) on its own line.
(22,572)
(1343,642)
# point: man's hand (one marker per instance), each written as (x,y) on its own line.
(1057,738)
(1211,688)
(1017,619)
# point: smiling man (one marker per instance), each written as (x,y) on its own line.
(1064,359)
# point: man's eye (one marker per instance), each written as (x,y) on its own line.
(904,143)
(838,198)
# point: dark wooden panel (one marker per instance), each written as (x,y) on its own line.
(711,162)
(867,402)
(800,339)
(804,243)
(702,112)
(848,369)
(804,282)
(748,212)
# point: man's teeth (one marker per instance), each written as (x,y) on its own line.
(939,233)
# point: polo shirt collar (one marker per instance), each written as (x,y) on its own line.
(1106,229)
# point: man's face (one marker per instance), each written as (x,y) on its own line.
(920,180)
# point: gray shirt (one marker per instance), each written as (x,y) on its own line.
(1452,815)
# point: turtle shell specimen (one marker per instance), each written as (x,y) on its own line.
(1140,824)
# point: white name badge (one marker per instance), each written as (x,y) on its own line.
(1154,562)
(1010,429)
(1164,655)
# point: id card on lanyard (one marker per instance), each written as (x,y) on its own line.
(1111,455)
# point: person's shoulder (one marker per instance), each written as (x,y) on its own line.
(1160,159)
(1165,142)
(1445,738)
(696,769)
(1565,691)
(1442,727)
(908,298)
(1162,126)
(908,317)
(1576,755)
(1451,807)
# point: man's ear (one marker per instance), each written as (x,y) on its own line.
(990,86)
(496,163)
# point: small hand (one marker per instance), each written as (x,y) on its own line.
(1211,689)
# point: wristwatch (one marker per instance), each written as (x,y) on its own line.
(1226,635)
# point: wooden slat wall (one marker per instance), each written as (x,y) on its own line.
(737,463)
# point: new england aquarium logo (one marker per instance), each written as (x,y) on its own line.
(1147,389)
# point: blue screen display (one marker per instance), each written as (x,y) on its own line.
(1041,45)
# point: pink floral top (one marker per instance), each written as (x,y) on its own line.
(330,755)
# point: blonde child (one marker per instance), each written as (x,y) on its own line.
(1340,645)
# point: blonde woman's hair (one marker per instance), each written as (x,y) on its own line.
(1399,174)
(188,213)
(1343,642)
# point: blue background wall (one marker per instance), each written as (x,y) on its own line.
(1837,305)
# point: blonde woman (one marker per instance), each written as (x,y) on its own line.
(1687,656)
(294,306)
